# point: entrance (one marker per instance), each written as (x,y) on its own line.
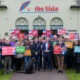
(24,31)
(22,24)
(40,32)
(39,24)
(56,24)
(54,32)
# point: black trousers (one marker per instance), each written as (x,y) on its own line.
(77,67)
(18,63)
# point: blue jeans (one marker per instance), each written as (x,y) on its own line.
(47,60)
(37,63)
(27,60)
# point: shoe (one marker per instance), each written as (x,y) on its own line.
(43,70)
(77,71)
(59,71)
(39,70)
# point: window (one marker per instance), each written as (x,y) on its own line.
(56,23)
(22,24)
(39,24)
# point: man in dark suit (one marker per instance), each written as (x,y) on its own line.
(36,51)
(47,55)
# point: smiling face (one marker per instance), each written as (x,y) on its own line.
(76,42)
(60,39)
(36,40)
(47,39)
(7,41)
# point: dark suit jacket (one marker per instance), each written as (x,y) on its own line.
(36,47)
(49,47)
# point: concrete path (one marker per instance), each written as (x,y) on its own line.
(47,75)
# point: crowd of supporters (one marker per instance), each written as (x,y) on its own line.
(41,50)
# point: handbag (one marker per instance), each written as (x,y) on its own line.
(27,52)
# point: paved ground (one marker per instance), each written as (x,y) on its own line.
(47,75)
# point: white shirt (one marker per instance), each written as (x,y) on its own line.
(46,46)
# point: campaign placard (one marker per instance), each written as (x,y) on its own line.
(62,31)
(16,31)
(54,43)
(76,49)
(71,36)
(48,32)
(20,49)
(57,49)
(69,44)
(8,51)
(35,33)
(27,53)
(21,36)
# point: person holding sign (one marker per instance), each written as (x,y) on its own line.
(27,54)
(59,51)
(77,55)
(7,59)
(69,56)
(19,56)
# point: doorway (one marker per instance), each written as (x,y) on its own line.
(40,32)
(54,32)
(24,31)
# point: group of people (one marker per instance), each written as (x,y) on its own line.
(40,51)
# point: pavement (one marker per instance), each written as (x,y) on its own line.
(47,75)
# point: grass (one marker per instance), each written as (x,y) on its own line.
(72,75)
(5,77)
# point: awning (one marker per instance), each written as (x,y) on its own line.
(3,7)
(75,7)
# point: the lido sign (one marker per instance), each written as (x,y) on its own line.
(46,9)
(27,8)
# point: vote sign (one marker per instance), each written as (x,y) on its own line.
(69,44)
(76,49)
(48,32)
(35,33)
(62,31)
(72,36)
(16,31)
(7,51)
(57,49)
(21,36)
(20,49)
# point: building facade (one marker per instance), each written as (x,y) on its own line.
(39,14)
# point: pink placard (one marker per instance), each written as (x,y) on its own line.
(35,33)
(62,31)
(17,31)
(7,51)
(72,36)
(48,32)
(13,34)
(21,36)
